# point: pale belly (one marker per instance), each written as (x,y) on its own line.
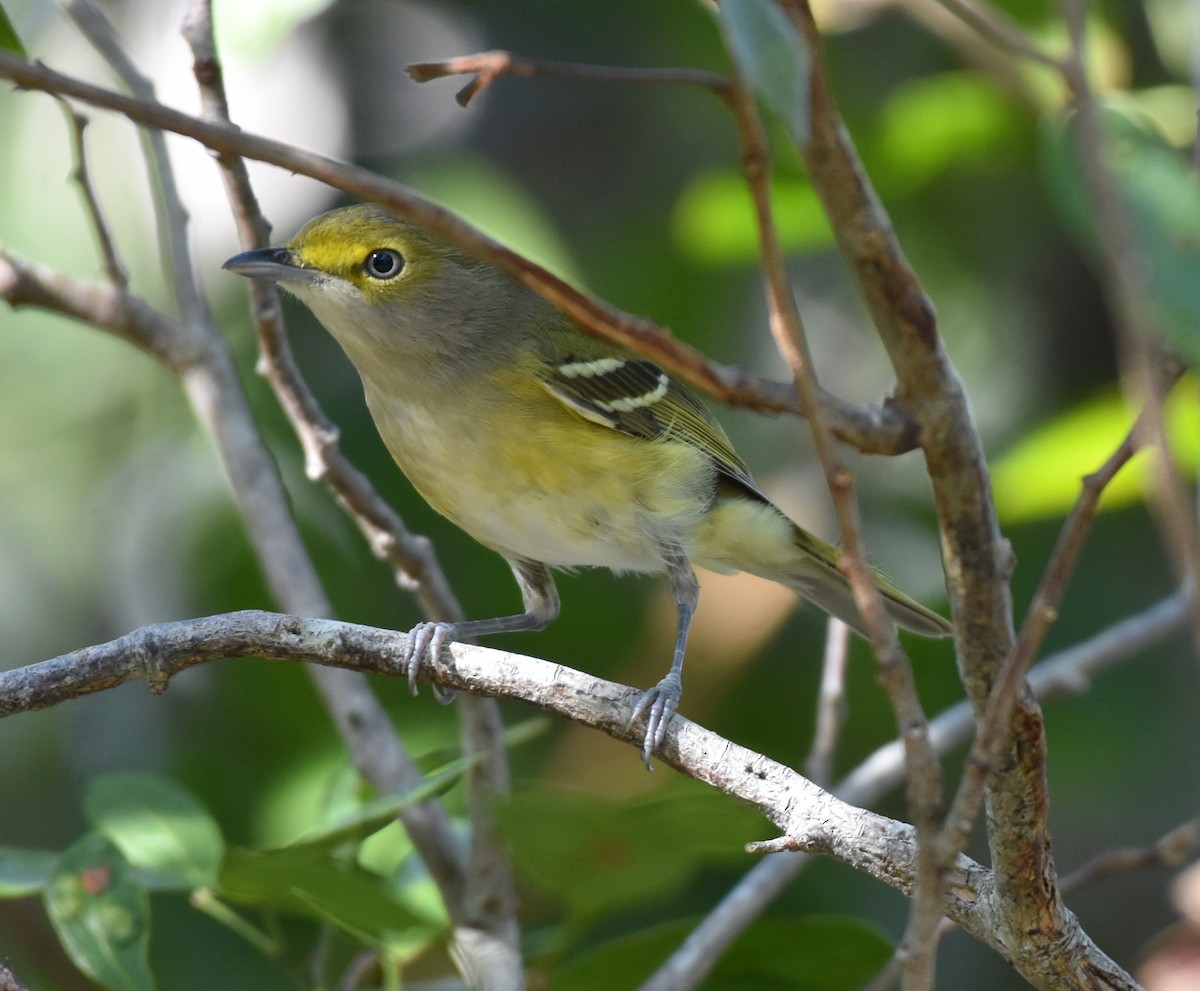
(580,496)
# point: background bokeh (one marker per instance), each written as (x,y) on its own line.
(114,512)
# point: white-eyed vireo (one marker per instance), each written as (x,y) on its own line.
(550,446)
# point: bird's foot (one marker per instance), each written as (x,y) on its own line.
(426,640)
(659,704)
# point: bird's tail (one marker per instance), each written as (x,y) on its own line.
(771,546)
(815,576)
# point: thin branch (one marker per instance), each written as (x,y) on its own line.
(488,67)
(114,271)
(831,703)
(1173,850)
(998,28)
(170,214)
(877,430)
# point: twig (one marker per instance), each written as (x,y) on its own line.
(1173,850)
(114,271)
(487,67)
(877,430)
(170,214)
(831,703)
(1000,30)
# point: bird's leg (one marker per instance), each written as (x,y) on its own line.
(661,701)
(541,607)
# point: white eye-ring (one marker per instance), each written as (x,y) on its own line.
(384,263)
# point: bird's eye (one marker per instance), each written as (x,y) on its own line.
(384,263)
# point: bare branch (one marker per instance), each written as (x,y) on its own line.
(1173,849)
(831,703)
(994,25)
(114,271)
(488,67)
(875,430)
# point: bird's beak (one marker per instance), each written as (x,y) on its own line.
(276,264)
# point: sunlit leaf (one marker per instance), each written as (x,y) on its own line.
(714,218)
(101,916)
(1041,475)
(159,827)
(950,120)
(24,872)
(772,56)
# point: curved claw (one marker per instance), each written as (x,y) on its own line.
(659,704)
(424,639)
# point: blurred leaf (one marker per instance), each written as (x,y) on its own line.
(9,41)
(772,56)
(101,916)
(24,872)
(1041,475)
(950,120)
(811,953)
(714,218)
(159,827)
(598,855)
(483,195)
(255,29)
(1163,197)
(308,880)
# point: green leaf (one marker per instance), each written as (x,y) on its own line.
(25,872)
(1041,475)
(810,953)
(1162,196)
(9,41)
(714,218)
(598,856)
(101,916)
(309,880)
(159,827)
(772,56)
(954,120)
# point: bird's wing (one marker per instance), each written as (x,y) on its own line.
(636,397)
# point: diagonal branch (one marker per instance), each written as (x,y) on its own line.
(876,430)
(811,819)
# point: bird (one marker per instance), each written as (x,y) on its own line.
(552,447)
